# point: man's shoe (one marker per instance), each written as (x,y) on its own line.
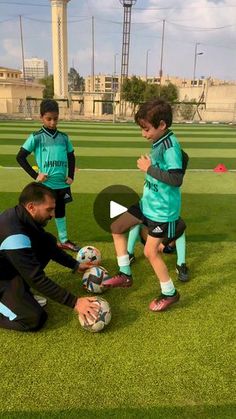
(162,303)
(42,301)
(68,245)
(131,257)
(183,272)
(120,280)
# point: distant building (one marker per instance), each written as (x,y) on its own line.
(185,82)
(35,68)
(103,83)
(16,96)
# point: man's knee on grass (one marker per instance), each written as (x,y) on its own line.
(36,321)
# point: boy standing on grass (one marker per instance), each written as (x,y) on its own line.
(159,206)
(55,158)
(169,245)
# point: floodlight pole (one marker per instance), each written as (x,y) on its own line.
(195,61)
(127,4)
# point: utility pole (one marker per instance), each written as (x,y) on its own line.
(114,89)
(23,62)
(146,70)
(162,50)
(92,69)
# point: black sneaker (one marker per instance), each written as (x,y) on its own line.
(169,249)
(183,272)
(131,257)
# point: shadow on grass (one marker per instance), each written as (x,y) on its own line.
(209,218)
(158,412)
(60,316)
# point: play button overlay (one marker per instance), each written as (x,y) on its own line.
(111,202)
(116,209)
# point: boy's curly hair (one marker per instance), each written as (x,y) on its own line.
(154,112)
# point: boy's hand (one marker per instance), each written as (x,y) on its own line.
(87,306)
(69,181)
(143,163)
(41,177)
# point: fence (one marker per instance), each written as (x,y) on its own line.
(94,108)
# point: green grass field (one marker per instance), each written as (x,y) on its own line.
(176,364)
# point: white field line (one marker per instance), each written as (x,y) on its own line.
(117,170)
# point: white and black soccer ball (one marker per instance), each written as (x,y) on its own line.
(102,320)
(89,254)
(92,279)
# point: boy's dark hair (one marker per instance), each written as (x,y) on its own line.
(35,192)
(154,112)
(48,105)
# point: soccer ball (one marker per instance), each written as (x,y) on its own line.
(103,319)
(92,279)
(89,254)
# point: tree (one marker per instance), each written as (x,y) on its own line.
(133,91)
(136,91)
(169,93)
(75,81)
(151,91)
(48,92)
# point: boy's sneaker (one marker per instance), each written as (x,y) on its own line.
(163,302)
(68,245)
(183,272)
(131,257)
(120,280)
(42,301)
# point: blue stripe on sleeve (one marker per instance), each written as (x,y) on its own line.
(7,312)
(16,241)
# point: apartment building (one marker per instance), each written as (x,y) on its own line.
(35,68)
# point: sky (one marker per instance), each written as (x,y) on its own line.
(211,24)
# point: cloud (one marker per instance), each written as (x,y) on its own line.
(187,22)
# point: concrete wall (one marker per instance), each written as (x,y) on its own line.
(13,98)
(220,102)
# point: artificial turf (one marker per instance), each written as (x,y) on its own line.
(177,364)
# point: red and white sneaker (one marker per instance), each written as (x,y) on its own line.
(162,303)
(68,245)
(120,280)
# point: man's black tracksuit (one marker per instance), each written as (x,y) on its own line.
(25,250)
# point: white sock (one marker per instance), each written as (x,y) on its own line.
(124,264)
(167,288)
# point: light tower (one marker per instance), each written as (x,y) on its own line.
(127,4)
(59,48)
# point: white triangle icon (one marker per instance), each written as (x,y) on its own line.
(116,209)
